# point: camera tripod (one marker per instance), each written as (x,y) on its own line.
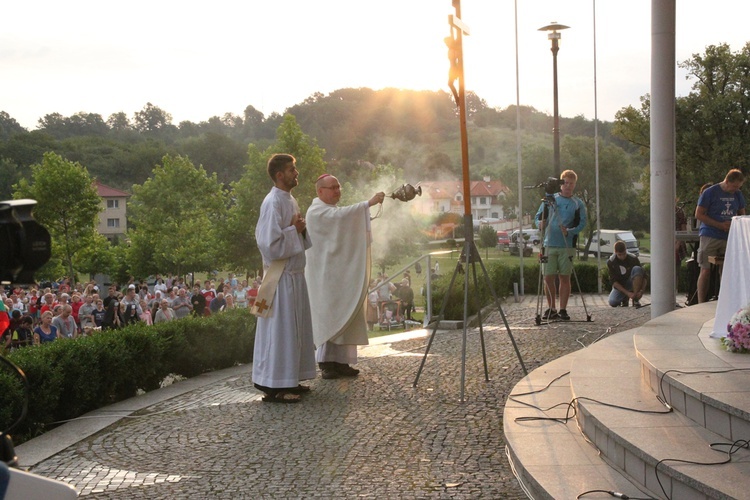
(467,264)
(550,212)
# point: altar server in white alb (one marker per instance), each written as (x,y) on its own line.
(284,351)
(338,274)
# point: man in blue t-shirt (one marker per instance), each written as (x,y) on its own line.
(562,224)
(716,207)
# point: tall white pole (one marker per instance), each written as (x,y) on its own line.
(518,157)
(663,174)
(596,164)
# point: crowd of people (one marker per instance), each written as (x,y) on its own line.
(65,311)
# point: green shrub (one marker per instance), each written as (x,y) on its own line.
(502,277)
(68,378)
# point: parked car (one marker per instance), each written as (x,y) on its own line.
(515,249)
(534,236)
(503,240)
(608,238)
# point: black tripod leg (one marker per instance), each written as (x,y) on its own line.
(502,315)
(437,323)
(481,328)
(580,292)
(468,249)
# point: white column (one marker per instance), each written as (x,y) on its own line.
(662,156)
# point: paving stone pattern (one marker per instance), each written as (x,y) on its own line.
(371,437)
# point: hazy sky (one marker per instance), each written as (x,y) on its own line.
(197,60)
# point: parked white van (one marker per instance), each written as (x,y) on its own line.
(606,244)
(534,236)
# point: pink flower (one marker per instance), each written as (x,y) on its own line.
(738,331)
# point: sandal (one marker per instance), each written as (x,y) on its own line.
(282,397)
(300,389)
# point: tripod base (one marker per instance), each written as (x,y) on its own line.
(539,320)
(470,258)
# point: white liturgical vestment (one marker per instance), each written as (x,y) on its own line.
(284,352)
(338,271)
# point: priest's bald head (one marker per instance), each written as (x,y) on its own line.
(328,189)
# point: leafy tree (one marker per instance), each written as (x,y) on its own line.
(537,167)
(26,149)
(119,122)
(714,119)
(217,153)
(633,124)
(248,193)
(97,257)
(616,187)
(67,205)
(54,124)
(119,270)
(9,175)
(487,238)
(253,123)
(116,163)
(9,126)
(151,119)
(712,122)
(175,216)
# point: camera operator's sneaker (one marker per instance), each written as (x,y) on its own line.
(550,314)
(564,315)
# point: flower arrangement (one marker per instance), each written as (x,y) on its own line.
(738,331)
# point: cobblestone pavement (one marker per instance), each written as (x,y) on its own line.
(371,437)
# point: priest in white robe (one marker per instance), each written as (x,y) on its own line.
(338,275)
(284,352)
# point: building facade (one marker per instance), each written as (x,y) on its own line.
(113,222)
(487,197)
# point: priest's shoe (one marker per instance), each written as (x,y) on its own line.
(346,370)
(329,370)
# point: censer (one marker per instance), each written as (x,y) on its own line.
(406,192)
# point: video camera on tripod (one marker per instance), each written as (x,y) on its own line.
(25,245)
(551,185)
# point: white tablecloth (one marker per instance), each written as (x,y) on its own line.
(734,293)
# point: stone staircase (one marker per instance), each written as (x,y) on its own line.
(612,431)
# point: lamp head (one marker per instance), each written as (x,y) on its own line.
(554,30)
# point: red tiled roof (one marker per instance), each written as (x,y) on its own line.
(487,188)
(108,192)
(449,189)
(440,190)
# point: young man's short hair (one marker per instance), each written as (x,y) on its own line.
(735,175)
(620,246)
(569,174)
(277,163)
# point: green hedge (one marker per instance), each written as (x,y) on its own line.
(503,277)
(69,378)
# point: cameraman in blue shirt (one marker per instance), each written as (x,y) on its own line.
(561,224)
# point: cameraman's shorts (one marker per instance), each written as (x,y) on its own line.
(559,261)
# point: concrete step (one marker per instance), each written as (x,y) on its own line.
(616,449)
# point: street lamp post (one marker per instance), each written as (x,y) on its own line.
(554,36)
